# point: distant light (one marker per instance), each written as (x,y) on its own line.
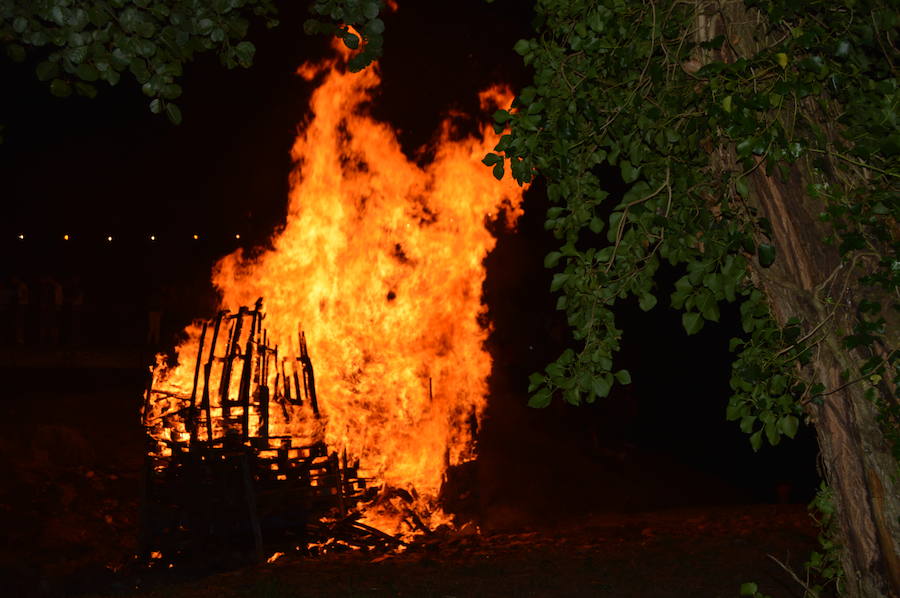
(196,237)
(109,238)
(65,237)
(152,237)
(21,237)
(237,236)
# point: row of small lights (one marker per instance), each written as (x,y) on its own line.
(109,238)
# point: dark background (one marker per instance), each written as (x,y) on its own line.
(92,168)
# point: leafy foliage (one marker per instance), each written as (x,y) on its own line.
(624,85)
(825,565)
(751,589)
(81,44)
(355,22)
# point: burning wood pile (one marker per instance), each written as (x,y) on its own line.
(217,477)
(382,258)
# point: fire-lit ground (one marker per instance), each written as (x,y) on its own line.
(666,554)
(581,522)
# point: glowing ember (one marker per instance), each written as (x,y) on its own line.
(380,263)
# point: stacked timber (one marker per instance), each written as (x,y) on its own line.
(218,479)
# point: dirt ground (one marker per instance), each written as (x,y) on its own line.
(666,554)
(69,504)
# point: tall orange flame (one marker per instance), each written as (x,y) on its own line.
(380,263)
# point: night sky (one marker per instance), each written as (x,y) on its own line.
(108,166)
(92,168)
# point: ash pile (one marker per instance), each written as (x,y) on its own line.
(237,467)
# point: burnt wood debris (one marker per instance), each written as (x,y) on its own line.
(217,479)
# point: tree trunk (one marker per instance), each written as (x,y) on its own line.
(857,459)
(858,464)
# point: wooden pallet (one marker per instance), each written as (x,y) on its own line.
(216,479)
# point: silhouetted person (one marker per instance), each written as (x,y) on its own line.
(20,291)
(51,303)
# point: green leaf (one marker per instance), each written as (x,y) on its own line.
(156,106)
(15,52)
(740,185)
(535,380)
(766,254)
(541,398)
(552,259)
(623,377)
(647,301)
(756,440)
(527,95)
(629,172)
(613,231)
(60,88)
(522,47)
(692,322)
(375,26)
(491,159)
(147,48)
(601,386)
(708,306)
(777,384)
(772,434)
(733,411)
(85,89)
(713,282)
(56,14)
(726,103)
(87,72)
(370,10)
(788,425)
(747,422)
(174,114)
(47,70)
(498,170)
(880,209)
(245,52)
(204,26)
(350,40)
(312,27)
(559,279)
(171,91)
(556,372)
(749,589)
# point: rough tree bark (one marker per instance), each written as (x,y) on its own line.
(858,464)
(857,460)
